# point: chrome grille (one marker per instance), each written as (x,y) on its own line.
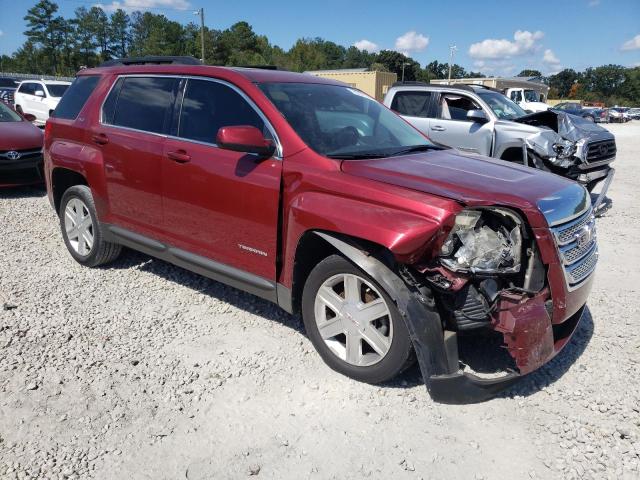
(598,151)
(578,248)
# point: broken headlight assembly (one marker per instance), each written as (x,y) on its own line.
(486,240)
(564,151)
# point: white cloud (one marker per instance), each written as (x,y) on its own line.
(1,33)
(633,44)
(550,57)
(411,42)
(132,5)
(594,3)
(367,45)
(523,42)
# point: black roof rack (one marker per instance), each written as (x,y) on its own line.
(151,60)
(410,83)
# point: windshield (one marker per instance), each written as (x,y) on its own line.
(531,96)
(56,89)
(8,115)
(504,108)
(342,122)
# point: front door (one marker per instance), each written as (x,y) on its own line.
(218,203)
(453,129)
(135,119)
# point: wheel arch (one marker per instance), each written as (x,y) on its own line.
(61,180)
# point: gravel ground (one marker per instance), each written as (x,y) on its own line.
(144,370)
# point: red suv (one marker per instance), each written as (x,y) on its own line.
(314,196)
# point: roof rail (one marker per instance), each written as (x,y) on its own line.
(410,83)
(151,60)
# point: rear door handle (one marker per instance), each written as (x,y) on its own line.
(179,156)
(438,128)
(100,139)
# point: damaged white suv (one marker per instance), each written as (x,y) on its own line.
(481,120)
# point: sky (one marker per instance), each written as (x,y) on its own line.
(494,37)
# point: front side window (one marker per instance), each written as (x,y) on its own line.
(141,103)
(413,104)
(455,107)
(79,91)
(516,96)
(28,88)
(56,90)
(531,95)
(342,122)
(8,115)
(209,106)
(501,106)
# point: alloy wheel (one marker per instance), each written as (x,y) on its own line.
(353,319)
(78,226)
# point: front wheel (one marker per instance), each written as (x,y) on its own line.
(82,231)
(589,118)
(353,323)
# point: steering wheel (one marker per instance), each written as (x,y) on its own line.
(347,136)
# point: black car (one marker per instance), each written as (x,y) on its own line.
(7,89)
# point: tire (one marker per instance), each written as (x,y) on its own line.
(77,207)
(388,331)
(590,118)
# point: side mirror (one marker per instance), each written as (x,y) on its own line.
(29,117)
(39,93)
(246,139)
(477,116)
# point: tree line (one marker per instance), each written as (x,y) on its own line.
(61,46)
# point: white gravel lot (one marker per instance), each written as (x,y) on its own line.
(144,370)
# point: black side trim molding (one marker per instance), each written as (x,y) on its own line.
(227,274)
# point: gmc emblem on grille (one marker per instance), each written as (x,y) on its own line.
(584,235)
(13,155)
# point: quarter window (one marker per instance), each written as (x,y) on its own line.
(413,104)
(75,98)
(209,106)
(141,103)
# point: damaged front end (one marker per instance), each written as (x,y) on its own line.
(573,147)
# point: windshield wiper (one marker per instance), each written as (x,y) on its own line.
(414,148)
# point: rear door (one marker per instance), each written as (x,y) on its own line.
(135,120)
(453,129)
(218,203)
(415,106)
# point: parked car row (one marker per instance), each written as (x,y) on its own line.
(312,195)
(34,97)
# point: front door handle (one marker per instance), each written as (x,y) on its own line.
(179,156)
(100,139)
(438,128)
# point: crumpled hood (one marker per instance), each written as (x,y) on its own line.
(20,136)
(469,179)
(568,126)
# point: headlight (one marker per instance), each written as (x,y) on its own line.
(564,148)
(484,241)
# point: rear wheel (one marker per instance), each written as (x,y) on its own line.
(353,323)
(82,231)
(590,118)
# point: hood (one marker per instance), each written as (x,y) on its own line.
(569,127)
(20,136)
(469,179)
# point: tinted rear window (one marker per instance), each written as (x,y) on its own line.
(414,104)
(142,103)
(56,90)
(75,97)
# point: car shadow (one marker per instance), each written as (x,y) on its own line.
(31,191)
(131,259)
(473,348)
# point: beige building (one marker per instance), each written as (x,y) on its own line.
(373,83)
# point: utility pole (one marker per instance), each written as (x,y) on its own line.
(452,50)
(201,13)
(403,64)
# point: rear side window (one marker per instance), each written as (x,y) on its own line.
(75,97)
(209,106)
(141,103)
(413,104)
